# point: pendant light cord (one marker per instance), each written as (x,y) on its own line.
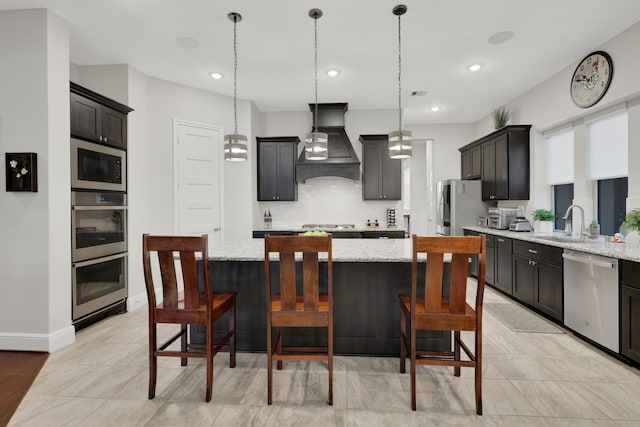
(399,75)
(315,110)
(235,72)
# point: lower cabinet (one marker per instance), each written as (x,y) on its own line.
(503,272)
(630,310)
(537,277)
(490,263)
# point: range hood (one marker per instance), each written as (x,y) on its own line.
(342,160)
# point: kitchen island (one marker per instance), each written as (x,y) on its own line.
(368,275)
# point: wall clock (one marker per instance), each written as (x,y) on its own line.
(591,79)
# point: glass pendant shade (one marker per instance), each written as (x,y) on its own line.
(235,147)
(316,146)
(400,144)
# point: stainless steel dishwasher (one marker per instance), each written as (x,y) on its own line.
(591,297)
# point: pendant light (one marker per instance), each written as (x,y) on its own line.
(235,145)
(315,144)
(400,140)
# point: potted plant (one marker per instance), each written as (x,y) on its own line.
(631,224)
(543,220)
(594,229)
(500,117)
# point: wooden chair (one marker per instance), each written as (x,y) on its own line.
(435,312)
(298,306)
(197,307)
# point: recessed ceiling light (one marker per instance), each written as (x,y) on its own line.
(333,73)
(216,76)
(474,67)
(435,108)
(187,43)
(501,37)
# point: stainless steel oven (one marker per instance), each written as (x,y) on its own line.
(97,167)
(98,224)
(98,284)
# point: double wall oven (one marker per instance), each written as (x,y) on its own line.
(98,227)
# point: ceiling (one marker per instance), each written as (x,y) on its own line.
(440,38)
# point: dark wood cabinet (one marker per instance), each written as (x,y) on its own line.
(538,277)
(503,277)
(381,175)
(490,265)
(504,163)
(97,118)
(630,309)
(471,163)
(276,168)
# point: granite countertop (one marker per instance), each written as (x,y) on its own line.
(357,228)
(601,246)
(344,250)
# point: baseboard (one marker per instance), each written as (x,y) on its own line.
(136,301)
(38,342)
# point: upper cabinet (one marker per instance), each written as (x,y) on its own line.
(472,163)
(503,163)
(381,175)
(277,168)
(97,118)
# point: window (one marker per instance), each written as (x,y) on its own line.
(559,163)
(607,144)
(562,199)
(612,201)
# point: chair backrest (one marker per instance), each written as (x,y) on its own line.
(167,247)
(460,248)
(310,247)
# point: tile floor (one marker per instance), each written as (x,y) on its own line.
(533,379)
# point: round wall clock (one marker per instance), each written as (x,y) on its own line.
(591,79)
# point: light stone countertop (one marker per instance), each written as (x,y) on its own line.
(357,228)
(602,246)
(344,250)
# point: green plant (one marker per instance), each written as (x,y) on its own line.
(543,215)
(594,224)
(632,220)
(500,117)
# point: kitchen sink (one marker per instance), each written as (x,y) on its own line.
(566,239)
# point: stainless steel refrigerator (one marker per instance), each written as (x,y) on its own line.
(459,204)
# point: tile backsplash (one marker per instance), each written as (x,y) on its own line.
(326,200)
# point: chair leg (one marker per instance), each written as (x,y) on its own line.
(210,333)
(153,361)
(269,364)
(456,352)
(183,344)
(413,367)
(330,361)
(478,373)
(232,342)
(403,334)
(280,338)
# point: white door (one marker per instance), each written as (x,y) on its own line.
(197,160)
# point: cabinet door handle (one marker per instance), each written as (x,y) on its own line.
(105,139)
(532,251)
(216,229)
(100,138)
(500,240)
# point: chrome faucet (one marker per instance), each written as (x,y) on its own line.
(577,229)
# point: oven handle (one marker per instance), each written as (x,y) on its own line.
(99,208)
(99,260)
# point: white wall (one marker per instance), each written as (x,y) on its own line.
(35,308)
(549,105)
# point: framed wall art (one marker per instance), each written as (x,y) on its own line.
(22,171)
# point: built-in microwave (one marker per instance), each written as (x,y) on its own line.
(97,167)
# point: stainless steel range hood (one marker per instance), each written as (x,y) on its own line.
(342,160)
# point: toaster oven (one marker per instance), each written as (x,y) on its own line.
(501,218)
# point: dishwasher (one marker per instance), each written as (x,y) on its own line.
(591,297)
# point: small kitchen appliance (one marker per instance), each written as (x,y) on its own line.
(501,218)
(520,223)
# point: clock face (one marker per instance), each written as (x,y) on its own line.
(591,79)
